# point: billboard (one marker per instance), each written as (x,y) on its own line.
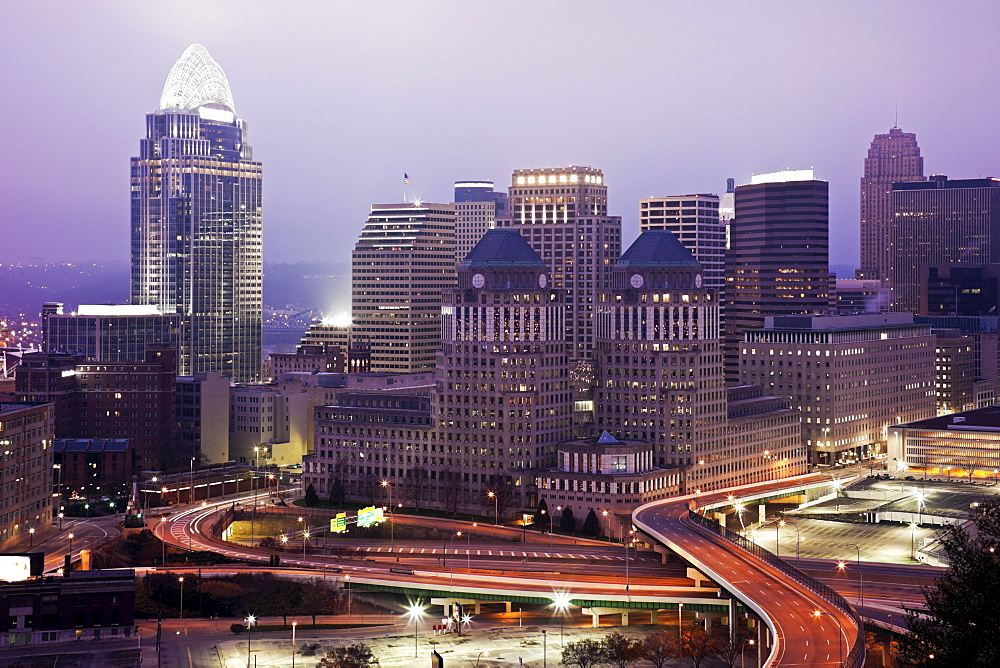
(370,515)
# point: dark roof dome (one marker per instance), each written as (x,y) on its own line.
(657,249)
(502,247)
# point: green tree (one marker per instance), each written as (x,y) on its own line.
(584,653)
(567,522)
(660,648)
(620,650)
(541,517)
(312,498)
(591,525)
(962,617)
(358,655)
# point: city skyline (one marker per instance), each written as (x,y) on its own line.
(642,124)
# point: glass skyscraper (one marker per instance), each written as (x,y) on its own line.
(196,221)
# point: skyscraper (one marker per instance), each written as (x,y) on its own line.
(477,206)
(695,221)
(940,221)
(563,214)
(402,261)
(196,221)
(892,158)
(778,257)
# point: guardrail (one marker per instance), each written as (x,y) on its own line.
(856,657)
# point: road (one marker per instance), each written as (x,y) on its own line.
(801,636)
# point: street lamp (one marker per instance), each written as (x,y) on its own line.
(861,577)
(294,624)
(626,544)
(680,623)
(192,481)
(743,658)
(31,534)
(392,527)
(61,515)
(249,620)
(496,506)
(739,507)
(451,568)
(305,537)
(605,513)
(840,645)
(561,605)
(913,529)
(347,581)
(797,537)
(181,580)
(71,546)
(415,612)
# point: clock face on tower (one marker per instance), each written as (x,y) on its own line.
(478,281)
(542,280)
(697,281)
(636,281)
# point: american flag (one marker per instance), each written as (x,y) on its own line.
(406,179)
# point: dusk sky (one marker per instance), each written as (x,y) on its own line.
(343,98)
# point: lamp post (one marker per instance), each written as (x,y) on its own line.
(294,624)
(496,507)
(415,612)
(392,528)
(451,567)
(743,658)
(546,512)
(249,620)
(840,645)
(605,513)
(625,544)
(680,623)
(71,547)
(561,605)
(545,649)
(191,479)
(347,580)
(61,515)
(305,538)
(181,580)
(861,577)
(797,536)
(913,529)
(31,534)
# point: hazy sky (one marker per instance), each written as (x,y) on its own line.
(342,98)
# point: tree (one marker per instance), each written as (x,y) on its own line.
(415,484)
(450,486)
(505,493)
(358,655)
(541,515)
(959,626)
(728,650)
(698,645)
(567,522)
(312,498)
(316,598)
(584,653)
(338,485)
(660,648)
(621,650)
(591,525)
(269,543)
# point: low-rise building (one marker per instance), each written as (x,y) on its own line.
(966,443)
(92,467)
(850,376)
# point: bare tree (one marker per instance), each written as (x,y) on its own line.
(317,598)
(620,650)
(358,655)
(698,645)
(450,488)
(660,648)
(505,492)
(415,485)
(728,650)
(584,653)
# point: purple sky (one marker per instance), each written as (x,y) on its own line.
(342,98)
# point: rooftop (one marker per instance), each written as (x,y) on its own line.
(91,444)
(976,420)
(657,249)
(503,247)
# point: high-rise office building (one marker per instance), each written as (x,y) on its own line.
(477,206)
(402,261)
(778,257)
(563,214)
(27,431)
(696,222)
(892,158)
(940,221)
(196,221)
(111,332)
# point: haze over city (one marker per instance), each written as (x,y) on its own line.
(342,99)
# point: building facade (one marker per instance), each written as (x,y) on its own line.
(955,371)
(937,222)
(778,257)
(696,222)
(850,377)
(403,260)
(563,214)
(197,245)
(27,432)
(111,332)
(95,467)
(202,407)
(893,157)
(965,444)
(477,207)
